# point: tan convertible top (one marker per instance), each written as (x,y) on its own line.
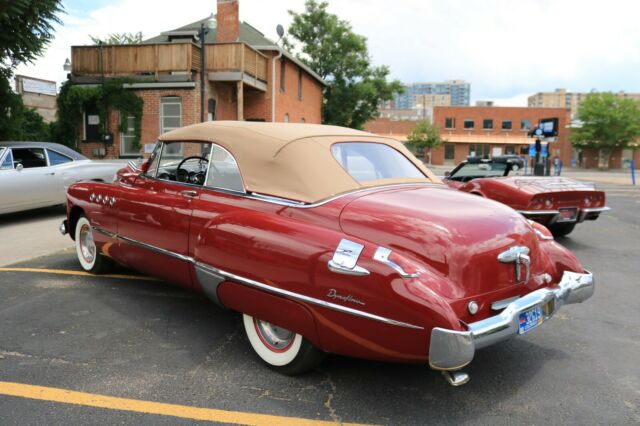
(289,160)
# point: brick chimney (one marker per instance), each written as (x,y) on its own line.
(228,22)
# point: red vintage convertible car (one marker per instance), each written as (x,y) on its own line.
(556,202)
(327,240)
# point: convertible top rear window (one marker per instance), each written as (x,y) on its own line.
(368,161)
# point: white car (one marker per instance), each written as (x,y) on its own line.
(37,174)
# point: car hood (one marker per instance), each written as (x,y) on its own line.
(538,185)
(457,235)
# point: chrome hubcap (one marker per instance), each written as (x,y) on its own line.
(87,246)
(276,338)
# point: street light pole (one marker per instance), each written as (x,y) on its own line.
(205,27)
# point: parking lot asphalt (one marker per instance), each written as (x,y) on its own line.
(77,349)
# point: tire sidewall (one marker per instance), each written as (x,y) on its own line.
(87,266)
(275,359)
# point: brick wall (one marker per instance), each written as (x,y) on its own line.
(562,148)
(308,107)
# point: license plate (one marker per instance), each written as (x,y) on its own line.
(568,215)
(530,320)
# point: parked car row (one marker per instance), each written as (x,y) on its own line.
(332,240)
(37,174)
(556,202)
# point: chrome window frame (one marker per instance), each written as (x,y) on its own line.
(206,181)
(6,151)
(71,160)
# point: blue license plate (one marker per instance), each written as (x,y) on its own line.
(530,320)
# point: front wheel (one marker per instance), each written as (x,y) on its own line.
(561,229)
(282,350)
(89,257)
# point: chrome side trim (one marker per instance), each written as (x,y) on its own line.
(339,269)
(382,255)
(302,205)
(312,300)
(537,212)
(345,259)
(251,283)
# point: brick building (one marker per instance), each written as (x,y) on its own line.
(487,131)
(247,77)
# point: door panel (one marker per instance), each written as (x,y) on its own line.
(156,213)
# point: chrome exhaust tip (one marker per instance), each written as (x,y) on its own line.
(63,227)
(456,378)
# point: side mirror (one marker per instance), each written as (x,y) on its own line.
(19,167)
(144,167)
(447,173)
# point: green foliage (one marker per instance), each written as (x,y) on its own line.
(608,122)
(328,46)
(17,122)
(119,38)
(424,135)
(74,100)
(27,27)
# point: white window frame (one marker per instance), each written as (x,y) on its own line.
(167,101)
(126,134)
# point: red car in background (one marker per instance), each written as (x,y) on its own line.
(556,202)
(327,240)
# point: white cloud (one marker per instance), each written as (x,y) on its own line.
(502,47)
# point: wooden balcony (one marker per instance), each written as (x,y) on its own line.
(232,62)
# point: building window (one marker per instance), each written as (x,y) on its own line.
(509,150)
(487,124)
(299,84)
(468,124)
(286,118)
(506,124)
(127,138)
(449,151)
(282,64)
(170,119)
(449,123)
(525,124)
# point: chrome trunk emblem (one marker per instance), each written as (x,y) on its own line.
(519,256)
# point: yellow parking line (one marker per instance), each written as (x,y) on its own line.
(149,407)
(76,273)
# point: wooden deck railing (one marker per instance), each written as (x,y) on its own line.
(130,60)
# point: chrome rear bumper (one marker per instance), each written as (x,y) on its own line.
(452,350)
(554,215)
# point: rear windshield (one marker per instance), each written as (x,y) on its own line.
(367,161)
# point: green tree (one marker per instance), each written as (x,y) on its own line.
(329,46)
(119,38)
(423,136)
(27,27)
(607,122)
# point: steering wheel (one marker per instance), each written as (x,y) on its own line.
(184,160)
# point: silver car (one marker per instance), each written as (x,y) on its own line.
(37,174)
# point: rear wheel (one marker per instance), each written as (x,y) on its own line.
(89,257)
(282,350)
(561,229)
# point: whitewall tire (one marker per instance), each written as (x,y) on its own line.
(281,349)
(89,257)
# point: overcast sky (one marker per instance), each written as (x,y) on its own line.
(506,49)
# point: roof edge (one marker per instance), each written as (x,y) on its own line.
(294,60)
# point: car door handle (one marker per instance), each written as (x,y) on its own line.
(50,173)
(189,193)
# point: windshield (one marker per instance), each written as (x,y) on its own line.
(367,161)
(470,171)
